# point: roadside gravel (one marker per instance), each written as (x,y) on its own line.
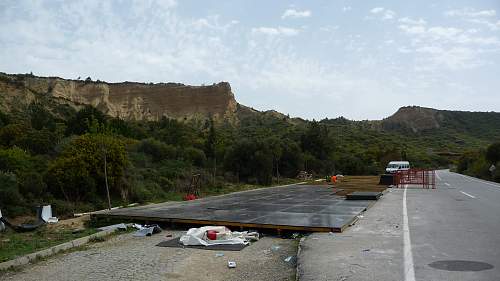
(125,257)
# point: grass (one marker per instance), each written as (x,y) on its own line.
(13,244)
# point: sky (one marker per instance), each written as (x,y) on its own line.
(310,59)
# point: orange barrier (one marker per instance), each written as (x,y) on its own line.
(334,179)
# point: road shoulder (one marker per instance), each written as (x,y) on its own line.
(369,250)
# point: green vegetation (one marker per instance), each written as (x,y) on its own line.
(53,154)
(477,163)
(15,244)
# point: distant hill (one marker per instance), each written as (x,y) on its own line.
(421,120)
(441,130)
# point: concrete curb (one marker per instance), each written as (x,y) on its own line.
(299,250)
(20,261)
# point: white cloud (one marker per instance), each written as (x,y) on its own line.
(449,47)
(483,17)
(377,10)
(494,26)
(346,8)
(384,13)
(406,20)
(152,41)
(412,29)
(329,28)
(440,33)
(292,13)
(276,31)
(470,12)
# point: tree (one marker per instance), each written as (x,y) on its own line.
(316,141)
(10,199)
(84,120)
(4,119)
(39,141)
(81,167)
(210,147)
(40,118)
(292,160)
(249,159)
(275,145)
(11,134)
(158,150)
(15,160)
(493,153)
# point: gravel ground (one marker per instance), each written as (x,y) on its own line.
(125,257)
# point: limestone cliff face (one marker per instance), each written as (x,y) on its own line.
(133,101)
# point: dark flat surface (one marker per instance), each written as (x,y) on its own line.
(175,243)
(364,195)
(294,206)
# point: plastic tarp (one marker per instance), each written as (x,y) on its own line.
(198,236)
(47,215)
(120,226)
(146,230)
(25,226)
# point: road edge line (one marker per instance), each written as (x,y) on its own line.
(408,255)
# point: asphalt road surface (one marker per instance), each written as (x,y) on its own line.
(448,233)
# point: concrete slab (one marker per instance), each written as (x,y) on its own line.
(294,207)
(369,250)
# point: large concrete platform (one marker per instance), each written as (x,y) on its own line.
(294,207)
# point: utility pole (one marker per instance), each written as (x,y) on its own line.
(106,178)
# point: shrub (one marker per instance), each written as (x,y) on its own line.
(11,200)
(157,149)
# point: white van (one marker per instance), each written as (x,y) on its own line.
(395,166)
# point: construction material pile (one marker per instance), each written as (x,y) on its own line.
(217,235)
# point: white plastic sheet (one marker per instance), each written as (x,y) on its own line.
(198,236)
(47,215)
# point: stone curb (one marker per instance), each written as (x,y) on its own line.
(20,261)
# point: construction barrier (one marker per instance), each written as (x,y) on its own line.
(424,177)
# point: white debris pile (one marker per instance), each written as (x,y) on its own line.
(213,235)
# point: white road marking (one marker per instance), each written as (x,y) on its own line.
(437,175)
(480,181)
(408,255)
(447,184)
(471,196)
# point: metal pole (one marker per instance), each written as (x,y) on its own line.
(106,180)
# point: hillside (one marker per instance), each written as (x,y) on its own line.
(416,119)
(127,100)
(54,134)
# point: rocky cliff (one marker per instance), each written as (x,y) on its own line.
(127,100)
(414,118)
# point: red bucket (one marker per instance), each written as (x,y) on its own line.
(212,234)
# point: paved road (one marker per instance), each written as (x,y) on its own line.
(450,233)
(459,222)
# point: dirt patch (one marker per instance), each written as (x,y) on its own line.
(73,223)
(349,184)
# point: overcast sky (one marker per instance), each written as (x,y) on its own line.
(312,59)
